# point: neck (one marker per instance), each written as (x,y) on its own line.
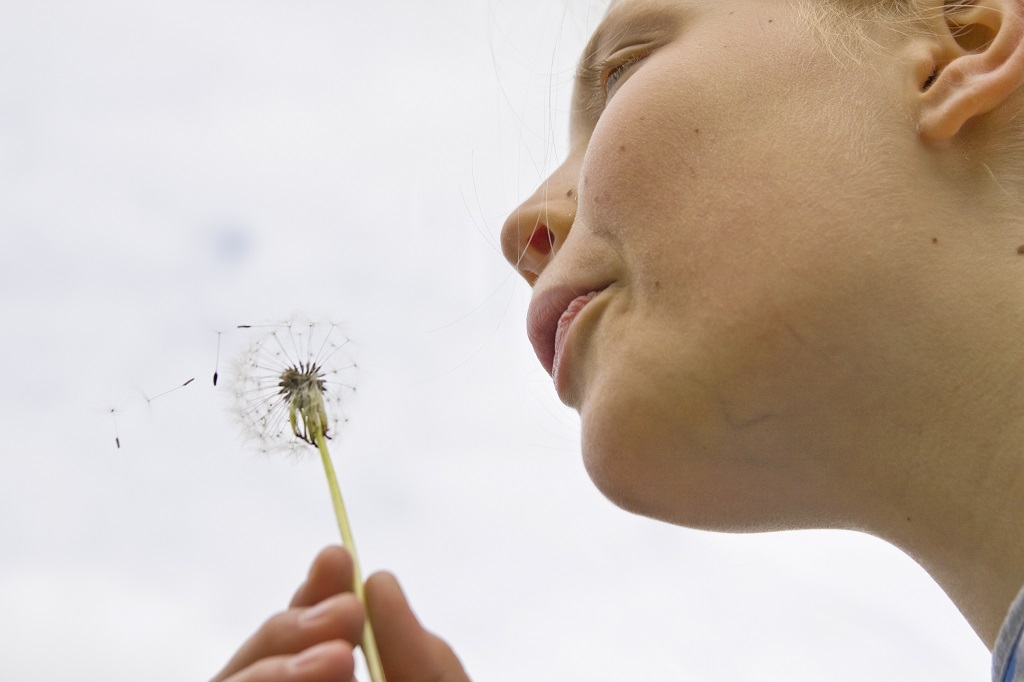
(961,516)
(952,494)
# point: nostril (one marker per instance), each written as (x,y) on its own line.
(542,240)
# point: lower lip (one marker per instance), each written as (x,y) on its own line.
(562,333)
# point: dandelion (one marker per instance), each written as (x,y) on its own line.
(290,389)
(290,370)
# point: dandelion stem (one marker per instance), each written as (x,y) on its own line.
(369,643)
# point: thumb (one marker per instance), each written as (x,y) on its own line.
(409,653)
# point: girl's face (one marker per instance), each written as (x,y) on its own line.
(733,197)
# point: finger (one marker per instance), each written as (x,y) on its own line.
(339,617)
(327,662)
(407,650)
(331,573)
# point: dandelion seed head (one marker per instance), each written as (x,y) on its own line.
(292,383)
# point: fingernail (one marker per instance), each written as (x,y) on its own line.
(315,613)
(307,659)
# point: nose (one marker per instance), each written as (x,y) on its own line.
(536,230)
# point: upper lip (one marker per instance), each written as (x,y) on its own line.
(542,318)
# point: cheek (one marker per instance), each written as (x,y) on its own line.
(712,184)
(640,161)
(743,296)
(674,170)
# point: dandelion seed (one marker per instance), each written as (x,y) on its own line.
(171,390)
(134,404)
(117,436)
(289,388)
(216,362)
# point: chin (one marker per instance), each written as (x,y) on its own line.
(690,469)
(633,457)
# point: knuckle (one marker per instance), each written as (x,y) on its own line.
(348,622)
(323,662)
(276,632)
(340,616)
(265,670)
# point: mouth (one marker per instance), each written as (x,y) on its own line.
(550,315)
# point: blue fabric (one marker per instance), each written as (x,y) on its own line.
(1008,644)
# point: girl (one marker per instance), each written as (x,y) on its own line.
(780,275)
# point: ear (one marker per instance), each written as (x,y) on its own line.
(978,63)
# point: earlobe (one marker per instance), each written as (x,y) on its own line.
(981,65)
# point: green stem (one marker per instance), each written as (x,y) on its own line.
(369,642)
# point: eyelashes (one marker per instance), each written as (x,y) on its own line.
(597,80)
(612,75)
(600,80)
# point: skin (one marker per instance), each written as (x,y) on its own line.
(793,335)
(325,642)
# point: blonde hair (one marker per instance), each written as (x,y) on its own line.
(855,23)
(850,29)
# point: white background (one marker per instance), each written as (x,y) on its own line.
(168,170)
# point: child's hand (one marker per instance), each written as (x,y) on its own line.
(313,640)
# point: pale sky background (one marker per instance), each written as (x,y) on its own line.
(172,169)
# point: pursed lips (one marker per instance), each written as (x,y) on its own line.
(546,309)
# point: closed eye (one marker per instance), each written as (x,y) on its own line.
(627,36)
(613,75)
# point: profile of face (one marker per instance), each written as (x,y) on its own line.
(737,271)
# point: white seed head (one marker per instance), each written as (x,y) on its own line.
(291,385)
